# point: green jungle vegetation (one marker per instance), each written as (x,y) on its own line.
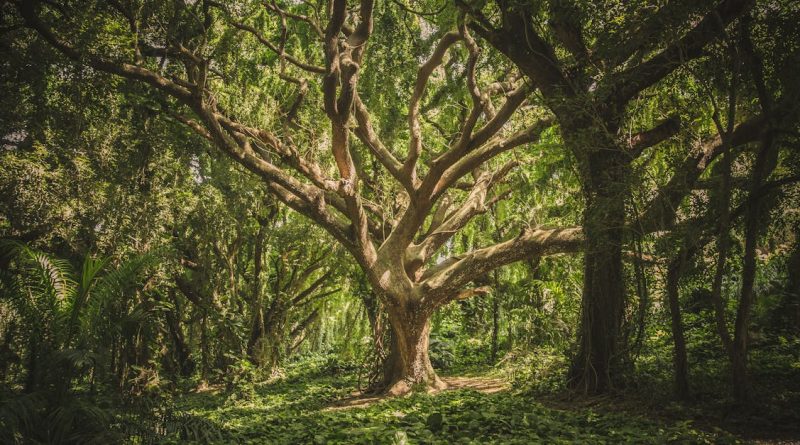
(399,222)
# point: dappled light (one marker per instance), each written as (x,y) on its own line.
(400,222)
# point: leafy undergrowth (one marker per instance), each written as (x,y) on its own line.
(298,409)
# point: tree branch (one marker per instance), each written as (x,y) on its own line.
(635,79)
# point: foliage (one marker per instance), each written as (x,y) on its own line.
(187,255)
(303,411)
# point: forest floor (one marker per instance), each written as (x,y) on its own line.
(322,407)
(482,384)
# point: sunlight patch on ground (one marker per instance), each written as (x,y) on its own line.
(486,385)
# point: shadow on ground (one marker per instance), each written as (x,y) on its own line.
(325,410)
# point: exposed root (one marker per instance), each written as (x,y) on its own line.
(400,388)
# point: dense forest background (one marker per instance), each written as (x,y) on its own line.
(265,222)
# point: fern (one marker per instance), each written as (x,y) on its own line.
(50,301)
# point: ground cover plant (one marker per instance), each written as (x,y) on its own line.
(412,221)
(314,408)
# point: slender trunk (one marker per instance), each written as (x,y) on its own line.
(765,163)
(596,367)
(495,325)
(680,362)
(204,349)
(537,300)
(257,329)
(409,364)
(495,297)
(643,291)
(185,363)
(763,166)
(722,256)
(793,285)
(740,340)
(298,334)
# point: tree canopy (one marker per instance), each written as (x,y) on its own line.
(275,178)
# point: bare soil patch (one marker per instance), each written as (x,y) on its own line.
(485,385)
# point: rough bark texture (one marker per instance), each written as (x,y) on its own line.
(595,367)
(409,364)
(398,252)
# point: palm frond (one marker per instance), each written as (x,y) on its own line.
(52,276)
(91,268)
(124,277)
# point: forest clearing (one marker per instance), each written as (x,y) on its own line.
(400,222)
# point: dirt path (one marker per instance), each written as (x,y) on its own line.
(481,384)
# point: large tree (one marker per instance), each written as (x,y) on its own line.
(595,74)
(395,187)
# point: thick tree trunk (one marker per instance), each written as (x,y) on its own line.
(595,368)
(409,364)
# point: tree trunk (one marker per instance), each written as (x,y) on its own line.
(741,327)
(495,324)
(204,350)
(182,355)
(257,328)
(595,368)
(409,364)
(377,361)
(256,333)
(680,361)
(375,317)
(793,282)
(764,164)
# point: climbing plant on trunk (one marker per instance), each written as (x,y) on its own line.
(278,88)
(589,77)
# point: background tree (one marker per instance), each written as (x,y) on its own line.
(596,83)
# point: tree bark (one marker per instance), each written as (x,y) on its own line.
(764,164)
(257,328)
(680,361)
(595,368)
(409,363)
(374,310)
